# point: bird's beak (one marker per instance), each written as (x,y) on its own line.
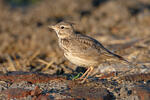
(52,27)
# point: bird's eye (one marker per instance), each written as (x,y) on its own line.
(62,27)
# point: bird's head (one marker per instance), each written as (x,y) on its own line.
(63,29)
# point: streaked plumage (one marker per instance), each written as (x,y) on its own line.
(80,49)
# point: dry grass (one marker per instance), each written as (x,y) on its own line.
(26,44)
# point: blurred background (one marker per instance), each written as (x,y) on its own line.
(26,43)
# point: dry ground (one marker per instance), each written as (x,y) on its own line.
(26,43)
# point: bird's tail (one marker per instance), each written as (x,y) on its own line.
(121,58)
(128,62)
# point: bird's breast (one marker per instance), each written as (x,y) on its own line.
(64,44)
(77,60)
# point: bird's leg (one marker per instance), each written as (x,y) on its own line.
(84,74)
(91,69)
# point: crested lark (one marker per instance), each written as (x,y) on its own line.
(82,50)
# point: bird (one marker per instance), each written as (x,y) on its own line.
(82,50)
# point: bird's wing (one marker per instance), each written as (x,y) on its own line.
(89,48)
(93,49)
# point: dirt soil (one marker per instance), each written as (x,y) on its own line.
(32,66)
